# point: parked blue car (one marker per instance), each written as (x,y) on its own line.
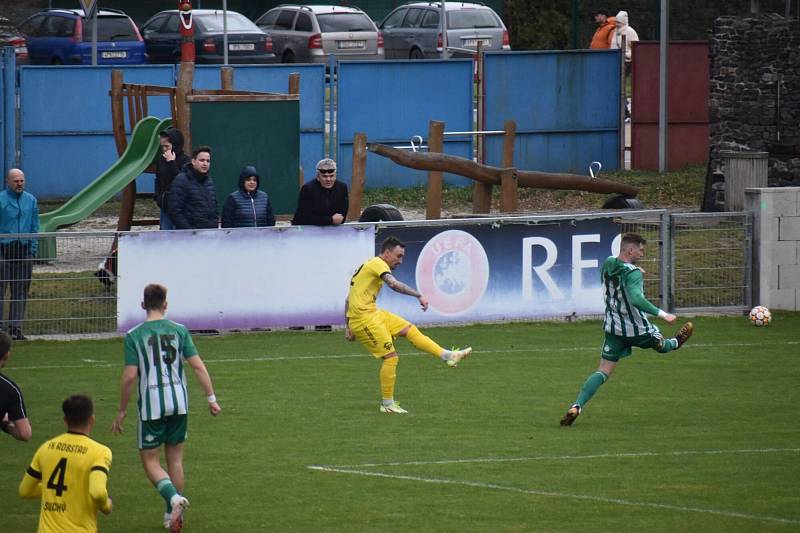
(64,37)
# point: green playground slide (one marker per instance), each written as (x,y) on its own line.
(138,156)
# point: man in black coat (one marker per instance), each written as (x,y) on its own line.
(323,201)
(193,197)
(169,164)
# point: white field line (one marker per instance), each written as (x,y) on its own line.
(91,364)
(571,457)
(534,492)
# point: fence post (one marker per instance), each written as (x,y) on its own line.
(359,175)
(182,90)
(508,190)
(665,282)
(509,137)
(433,207)
(294,83)
(8,114)
(226,78)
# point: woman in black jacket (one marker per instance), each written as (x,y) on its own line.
(248,207)
(169,164)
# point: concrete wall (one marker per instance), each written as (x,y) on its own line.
(776,246)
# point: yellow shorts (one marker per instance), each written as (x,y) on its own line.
(377,331)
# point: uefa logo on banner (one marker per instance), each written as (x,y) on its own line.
(452,271)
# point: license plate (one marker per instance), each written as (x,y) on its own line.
(351,44)
(473,43)
(241,46)
(114,55)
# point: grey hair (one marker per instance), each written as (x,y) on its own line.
(326,163)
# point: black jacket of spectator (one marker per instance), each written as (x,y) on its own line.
(245,209)
(193,200)
(316,205)
(167,170)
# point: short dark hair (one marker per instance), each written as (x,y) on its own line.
(600,12)
(633,238)
(199,149)
(154,297)
(78,409)
(5,344)
(390,243)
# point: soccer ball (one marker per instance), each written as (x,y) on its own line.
(760,316)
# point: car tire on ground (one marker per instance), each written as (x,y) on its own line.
(416,53)
(380,213)
(288,57)
(623,202)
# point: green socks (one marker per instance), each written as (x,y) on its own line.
(590,387)
(167,490)
(669,345)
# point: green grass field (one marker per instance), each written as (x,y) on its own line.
(704,439)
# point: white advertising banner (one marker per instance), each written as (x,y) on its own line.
(243,278)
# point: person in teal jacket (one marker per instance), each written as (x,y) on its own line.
(19,213)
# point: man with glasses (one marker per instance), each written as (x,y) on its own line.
(323,201)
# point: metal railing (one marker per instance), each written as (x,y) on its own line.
(696,262)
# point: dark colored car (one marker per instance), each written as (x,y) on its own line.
(64,36)
(11,36)
(246,42)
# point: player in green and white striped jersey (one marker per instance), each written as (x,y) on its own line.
(155,354)
(626,324)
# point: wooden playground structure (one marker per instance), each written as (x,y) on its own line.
(134,98)
(485,177)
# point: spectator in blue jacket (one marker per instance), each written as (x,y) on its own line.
(19,213)
(193,197)
(247,207)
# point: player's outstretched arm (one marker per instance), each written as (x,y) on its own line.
(129,376)
(204,378)
(634,283)
(398,286)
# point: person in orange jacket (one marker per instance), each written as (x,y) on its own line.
(605,30)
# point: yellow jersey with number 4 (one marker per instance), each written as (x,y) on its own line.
(365,285)
(70,473)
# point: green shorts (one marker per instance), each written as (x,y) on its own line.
(616,347)
(167,430)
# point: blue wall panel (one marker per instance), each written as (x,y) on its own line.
(565,104)
(275,79)
(67,138)
(391,102)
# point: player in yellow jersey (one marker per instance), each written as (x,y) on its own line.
(376,328)
(69,473)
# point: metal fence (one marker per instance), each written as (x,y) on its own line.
(706,259)
(696,262)
(66,297)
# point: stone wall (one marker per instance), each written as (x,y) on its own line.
(755,91)
(776,246)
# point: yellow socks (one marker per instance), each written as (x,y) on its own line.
(424,343)
(388,377)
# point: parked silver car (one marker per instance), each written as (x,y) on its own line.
(309,34)
(413,30)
